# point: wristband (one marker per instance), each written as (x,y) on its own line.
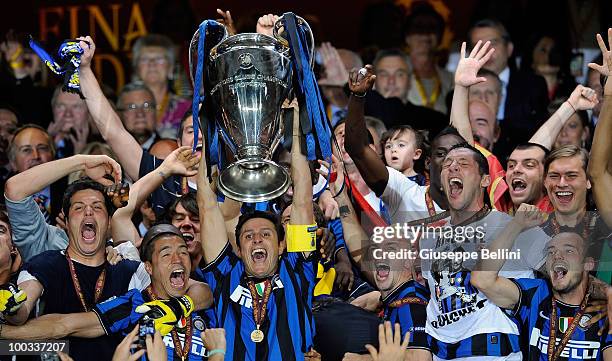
(359,95)
(215,352)
(571,106)
(301,237)
(110,243)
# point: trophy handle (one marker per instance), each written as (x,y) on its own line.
(278,33)
(214,35)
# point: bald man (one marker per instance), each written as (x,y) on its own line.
(484,125)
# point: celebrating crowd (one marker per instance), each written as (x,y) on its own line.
(461,216)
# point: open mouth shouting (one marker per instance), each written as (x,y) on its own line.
(88,231)
(177,278)
(518,186)
(559,271)
(382,272)
(564,197)
(455,187)
(259,255)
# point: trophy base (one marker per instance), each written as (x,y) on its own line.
(254,180)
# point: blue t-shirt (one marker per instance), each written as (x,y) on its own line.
(288,325)
(533,313)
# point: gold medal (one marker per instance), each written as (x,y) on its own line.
(257,336)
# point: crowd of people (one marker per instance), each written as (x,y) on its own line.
(111,216)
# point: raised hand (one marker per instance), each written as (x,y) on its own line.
(337,173)
(89,48)
(583,98)
(362,80)
(98,166)
(214,341)
(606,68)
(181,162)
(528,216)
(391,347)
(79,139)
(467,68)
(265,24)
(119,193)
(335,72)
(226,19)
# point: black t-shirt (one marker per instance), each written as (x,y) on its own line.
(168,191)
(51,269)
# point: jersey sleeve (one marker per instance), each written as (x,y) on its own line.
(606,341)
(214,272)
(44,268)
(412,318)
(530,296)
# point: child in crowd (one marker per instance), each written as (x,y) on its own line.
(403,150)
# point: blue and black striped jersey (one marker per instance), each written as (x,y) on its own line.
(533,313)
(288,326)
(410,315)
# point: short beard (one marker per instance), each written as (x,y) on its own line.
(571,286)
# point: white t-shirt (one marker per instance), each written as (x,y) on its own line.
(405,199)
(457,310)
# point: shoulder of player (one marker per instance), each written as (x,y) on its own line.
(47,259)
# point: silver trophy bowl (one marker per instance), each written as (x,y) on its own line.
(248,77)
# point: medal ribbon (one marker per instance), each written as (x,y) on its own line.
(181,351)
(431,209)
(552,353)
(260,304)
(431,100)
(77,285)
(407,300)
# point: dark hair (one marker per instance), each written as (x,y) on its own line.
(187,200)
(4,217)
(181,128)
(270,216)
(481,160)
(83,184)
(448,130)
(489,23)
(385,53)
(157,231)
(424,19)
(419,139)
(527,145)
(343,121)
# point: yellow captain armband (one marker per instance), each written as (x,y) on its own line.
(301,237)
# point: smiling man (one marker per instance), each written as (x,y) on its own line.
(567,185)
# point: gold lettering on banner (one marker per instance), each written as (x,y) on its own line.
(119,72)
(45,29)
(95,16)
(136,27)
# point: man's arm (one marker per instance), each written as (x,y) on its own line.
(33,289)
(600,164)
(108,122)
(465,76)
(179,162)
(369,164)
(582,98)
(302,212)
(213,234)
(200,293)
(55,326)
(33,180)
(500,290)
